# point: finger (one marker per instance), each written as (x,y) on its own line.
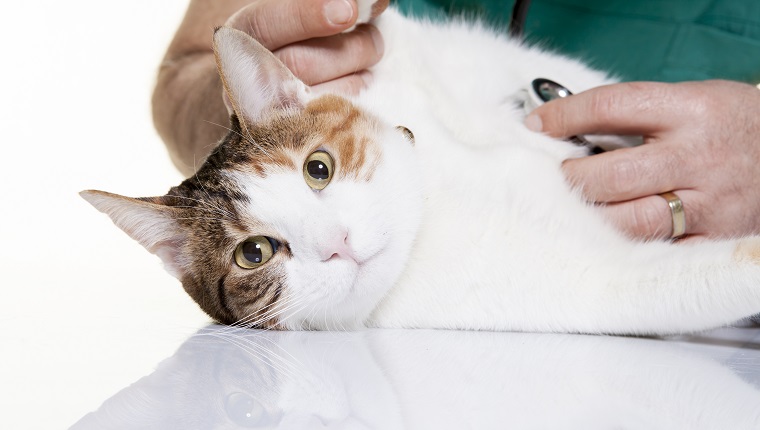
(630,173)
(650,217)
(347,85)
(276,23)
(633,108)
(320,60)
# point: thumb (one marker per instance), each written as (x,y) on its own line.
(276,23)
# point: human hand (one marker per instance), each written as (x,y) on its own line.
(307,37)
(701,141)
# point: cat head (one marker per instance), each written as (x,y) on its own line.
(302,217)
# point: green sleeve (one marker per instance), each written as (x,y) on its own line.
(661,40)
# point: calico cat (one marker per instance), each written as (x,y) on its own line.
(422,202)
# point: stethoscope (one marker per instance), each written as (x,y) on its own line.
(517,20)
(542,90)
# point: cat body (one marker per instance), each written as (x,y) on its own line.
(466,222)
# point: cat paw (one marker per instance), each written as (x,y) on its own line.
(748,250)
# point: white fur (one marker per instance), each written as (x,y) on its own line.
(148,224)
(504,243)
(247,82)
(365,11)
(340,293)
(364,14)
(473,227)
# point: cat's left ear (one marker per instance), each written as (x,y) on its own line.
(149,222)
(255,82)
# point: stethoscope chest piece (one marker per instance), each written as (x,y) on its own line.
(544,90)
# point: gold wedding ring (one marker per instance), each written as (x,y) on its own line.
(677,213)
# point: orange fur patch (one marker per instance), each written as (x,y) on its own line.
(331,122)
(346,132)
(748,250)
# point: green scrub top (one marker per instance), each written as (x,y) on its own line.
(660,40)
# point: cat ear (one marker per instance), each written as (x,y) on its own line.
(147,221)
(255,81)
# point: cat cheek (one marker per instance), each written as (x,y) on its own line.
(321,284)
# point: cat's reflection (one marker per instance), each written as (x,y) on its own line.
(417,379)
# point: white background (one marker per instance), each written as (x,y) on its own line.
(80,300)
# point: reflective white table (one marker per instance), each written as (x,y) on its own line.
(426,379)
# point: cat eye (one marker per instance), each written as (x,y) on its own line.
(318,170)
(247,412)
(255,251)
(408,133)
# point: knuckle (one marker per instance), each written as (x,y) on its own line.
(621,175)
(251,21)
(700,104)
(298,61)
(602,105)
(261,29)
(618,104)
(271,23)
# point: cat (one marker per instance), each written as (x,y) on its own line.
(423,202)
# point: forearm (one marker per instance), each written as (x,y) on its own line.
(188,109)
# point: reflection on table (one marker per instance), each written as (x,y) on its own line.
(224,377)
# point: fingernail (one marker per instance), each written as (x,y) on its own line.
(339,12)
(533,122)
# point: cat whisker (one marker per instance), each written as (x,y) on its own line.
(312,316)
(245,321)
(282,363)
(274,312)
(282,311)
(268,356)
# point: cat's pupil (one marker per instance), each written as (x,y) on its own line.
(252,252)
(318,170)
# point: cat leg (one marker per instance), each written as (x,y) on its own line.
(748,250)
(691,288)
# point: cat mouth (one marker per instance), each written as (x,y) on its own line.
(363,261)
(350,255)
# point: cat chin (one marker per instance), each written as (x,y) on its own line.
(345,297)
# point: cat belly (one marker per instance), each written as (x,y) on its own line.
(498,246)
(505,244)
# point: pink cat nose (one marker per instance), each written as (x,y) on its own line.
(338,247)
